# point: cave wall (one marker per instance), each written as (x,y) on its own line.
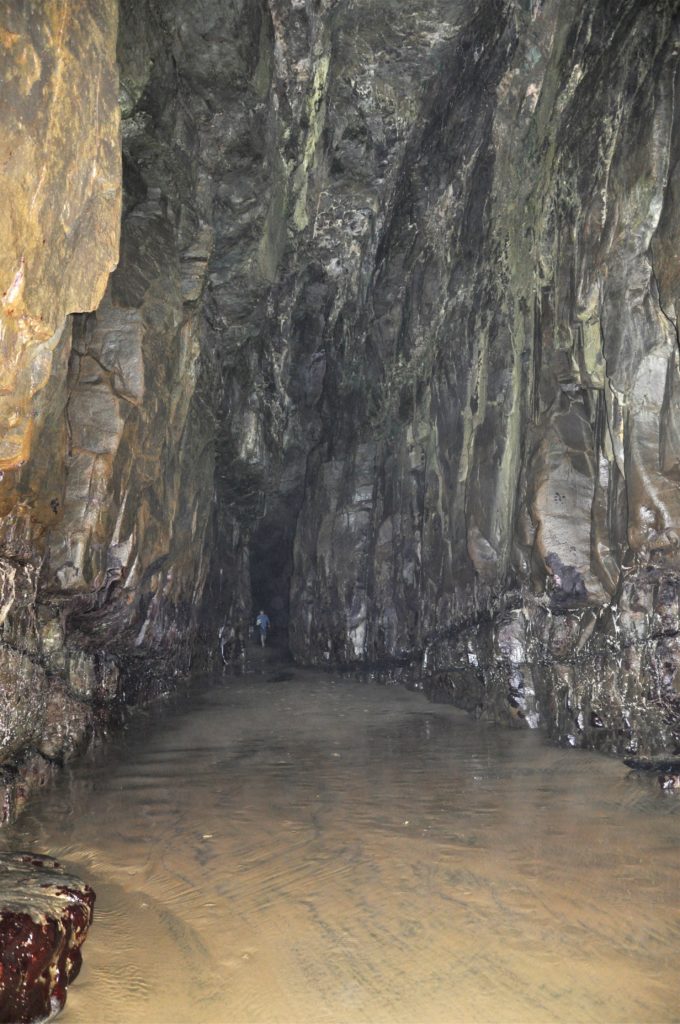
(126,507)
(390,347)
(450,396)
(60,226)
(495,499)
(107,509)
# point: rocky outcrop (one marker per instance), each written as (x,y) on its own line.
(45,915)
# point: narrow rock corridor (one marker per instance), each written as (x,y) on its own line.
(363,313)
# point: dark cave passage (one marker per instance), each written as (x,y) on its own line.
(271,565)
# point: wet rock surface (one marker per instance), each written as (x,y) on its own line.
(106,512)
(494,509)
(60,218)
(390,350)
(45,914)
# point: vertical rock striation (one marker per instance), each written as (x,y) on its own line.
(494,498)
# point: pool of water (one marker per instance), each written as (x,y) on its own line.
(326,850)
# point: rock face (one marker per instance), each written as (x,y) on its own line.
(59,226)
(390,350)
(45,915)
(484,354)
(499,501)
(60,214)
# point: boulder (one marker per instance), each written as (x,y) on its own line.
(45,915)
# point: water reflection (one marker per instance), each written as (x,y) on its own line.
(328,851)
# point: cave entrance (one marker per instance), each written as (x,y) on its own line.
(271,568)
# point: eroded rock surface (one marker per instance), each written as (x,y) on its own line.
(461,422)
(495,501)
(106,511)
(60,216)
(45,915)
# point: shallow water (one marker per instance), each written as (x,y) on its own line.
(325,850)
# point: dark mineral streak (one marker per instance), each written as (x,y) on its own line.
(45,914)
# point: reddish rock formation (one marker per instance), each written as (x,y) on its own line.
(45,914)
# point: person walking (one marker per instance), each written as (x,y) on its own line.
(224,642)
(262,622)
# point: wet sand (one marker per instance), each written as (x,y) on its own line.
(325,850)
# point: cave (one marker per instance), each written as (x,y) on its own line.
(361,312)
